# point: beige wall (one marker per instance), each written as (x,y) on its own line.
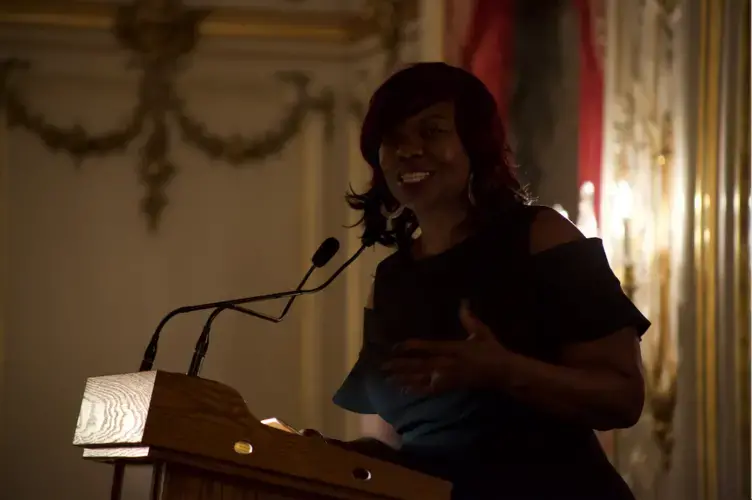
(3,251)
(88,283)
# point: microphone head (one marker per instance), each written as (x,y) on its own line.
(325,252)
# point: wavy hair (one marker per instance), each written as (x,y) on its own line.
(496,188)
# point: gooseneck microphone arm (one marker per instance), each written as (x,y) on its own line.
(292,293)
(321,257)
(150,353)
(202,343)
(151,350)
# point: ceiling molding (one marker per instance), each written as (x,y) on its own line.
(233,22)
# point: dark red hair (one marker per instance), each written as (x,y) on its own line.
(479,126)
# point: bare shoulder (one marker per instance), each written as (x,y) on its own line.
(551,229)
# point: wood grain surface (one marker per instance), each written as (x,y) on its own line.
(195,424)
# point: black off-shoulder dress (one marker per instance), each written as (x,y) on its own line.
(487,443)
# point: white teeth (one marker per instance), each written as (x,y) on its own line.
(414,177)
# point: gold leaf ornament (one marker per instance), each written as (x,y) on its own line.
(160,34)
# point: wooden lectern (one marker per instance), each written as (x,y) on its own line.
(201,443)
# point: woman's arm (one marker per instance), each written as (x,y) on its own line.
(373,426)
(600,382)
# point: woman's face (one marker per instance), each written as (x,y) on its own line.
(424,162)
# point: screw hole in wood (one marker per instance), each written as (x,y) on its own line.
(361,474)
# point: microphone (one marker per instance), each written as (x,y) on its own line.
(202,344)
(326,251)
(323,255)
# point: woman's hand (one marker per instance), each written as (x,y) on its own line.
(313,433)
(365,446)
(427,366)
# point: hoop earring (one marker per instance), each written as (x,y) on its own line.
(470,193)
(391,216)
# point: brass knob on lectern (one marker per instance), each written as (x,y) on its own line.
(243,448)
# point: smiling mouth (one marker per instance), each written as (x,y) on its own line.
(414,177)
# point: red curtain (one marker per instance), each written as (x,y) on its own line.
(484,29)
(591,99)
(488,51)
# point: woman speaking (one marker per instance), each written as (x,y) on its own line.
(496,338)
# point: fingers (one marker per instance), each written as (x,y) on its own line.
(311,433)
(411,383)
(337,442)
(419,382)
(469,321)
(423,375)
(317,435)
(408,366)
(474,327)
(424,383)
(430,366)
(445,348)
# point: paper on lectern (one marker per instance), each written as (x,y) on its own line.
(280,425)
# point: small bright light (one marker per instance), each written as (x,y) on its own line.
(624,202)
(586,219)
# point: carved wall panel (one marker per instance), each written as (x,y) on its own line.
(105,281)
(642,228)
(676,223)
